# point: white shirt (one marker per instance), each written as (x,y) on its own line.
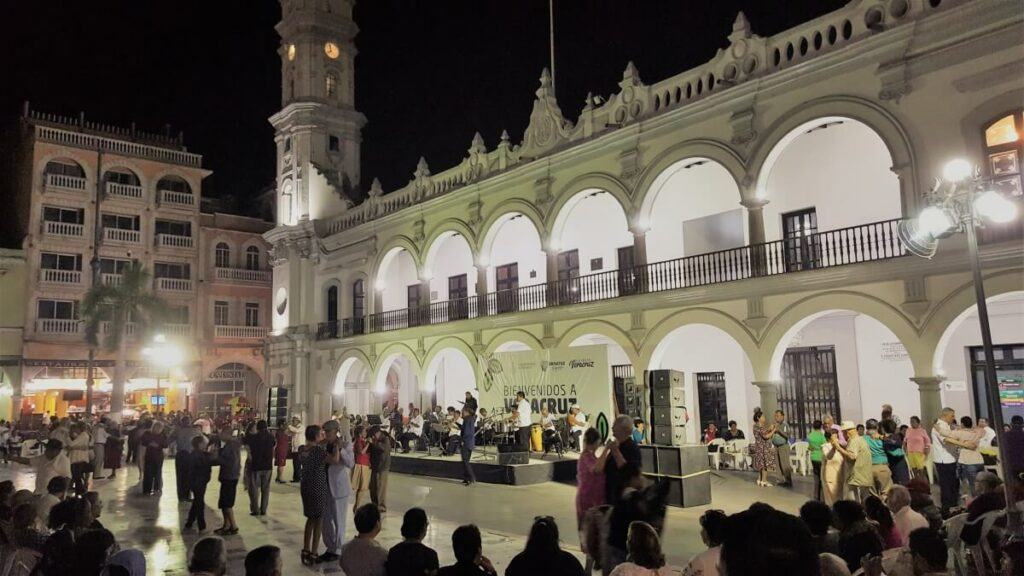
(581,422)
(204,424)
(548,422)
(99,436)
(525,413)
(986,440)
(907,520)
(704,564)
(940,453)
(416,425)
(47,469)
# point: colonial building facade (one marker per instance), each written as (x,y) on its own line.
(737,222)
(81,190)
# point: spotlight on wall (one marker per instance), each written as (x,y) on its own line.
(379,285)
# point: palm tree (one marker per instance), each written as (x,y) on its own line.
(130,301)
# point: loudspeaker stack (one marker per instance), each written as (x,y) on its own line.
(668,410)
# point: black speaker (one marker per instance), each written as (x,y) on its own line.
(507,455)
(682,460)
(667,397)
(659,379)
(649,458)
(690,491)
(661,435)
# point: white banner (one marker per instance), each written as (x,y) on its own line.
(558,378)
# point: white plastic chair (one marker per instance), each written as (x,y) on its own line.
(716,456)
(799,457)
(738,452)
(954,526)
(982,552)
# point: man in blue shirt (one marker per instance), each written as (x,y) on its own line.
(467,430)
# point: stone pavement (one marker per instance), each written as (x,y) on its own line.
(503,513)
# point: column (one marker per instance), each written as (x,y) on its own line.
(636,282)
(755,236)
(769,390)
(553,290)
(481,291)
(930,390)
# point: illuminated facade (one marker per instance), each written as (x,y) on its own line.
(737,221)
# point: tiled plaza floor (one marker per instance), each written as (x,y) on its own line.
(503,513)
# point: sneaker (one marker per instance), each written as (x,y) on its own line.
(327,557)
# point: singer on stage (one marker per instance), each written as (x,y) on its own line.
(525,420)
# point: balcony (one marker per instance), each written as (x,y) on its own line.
(122,236)
(240,332)
(63,182)
(66,277)
(177,199)
(51,228)
(174,284)
(241,275)
(864,243)
(131,329)
(129,191)
(111,279)
(58,326)
(177,329)
(173,241)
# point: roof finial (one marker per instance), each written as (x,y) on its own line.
(740,27)
(478,144)
(422,170)
(504,137)
(376,189)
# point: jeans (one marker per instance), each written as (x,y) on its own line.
(405,438)
(197,512)
(333,524)
(181,474)
(949,486)
(260,489)
(967,473)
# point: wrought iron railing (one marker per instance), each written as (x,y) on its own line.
(863,243)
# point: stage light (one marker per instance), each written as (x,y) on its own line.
(956,170)
(935,221)
(995,207)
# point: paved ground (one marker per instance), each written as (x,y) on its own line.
(503,513)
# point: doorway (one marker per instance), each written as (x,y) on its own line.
(810,388)
(711,399)
(506,280)
(458,292)
(801,249)
(568,274)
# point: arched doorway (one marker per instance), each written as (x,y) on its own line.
(449,266)
(515,260)
(228,388)
(396,383)
(449,376)
(352,387)
(591,235)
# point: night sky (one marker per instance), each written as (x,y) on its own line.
(428,75)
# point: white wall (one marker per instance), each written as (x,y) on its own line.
(1006,319)
(884,373)
(838,329)
(596,226)
(453,377)
(517,241)
(399,274)
(843,171)
(453,257)
(701,348)
(683,194)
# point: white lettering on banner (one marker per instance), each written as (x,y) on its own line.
(556,378)
(894,352)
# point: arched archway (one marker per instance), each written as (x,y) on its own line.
(396,379)
(512,251)
(352,386)
(450,373)
(692,207)
(397,280)
(514,340)
(451,269)
(827,173)
(224,387)
(588,233)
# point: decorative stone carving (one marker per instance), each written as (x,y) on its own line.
(629,164)
(895,80)
(549,335)
(548,129)
(633,100)
(475,217)
(636,320)
(915,297)
(376,190)
(542,192)
(755,313)
(742,122)
(277,254)
(417,230)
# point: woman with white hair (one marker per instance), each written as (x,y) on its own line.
(905,518)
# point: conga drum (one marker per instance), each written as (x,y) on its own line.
(537,438)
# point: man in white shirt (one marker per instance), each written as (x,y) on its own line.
(988,434)
(524,420)
(205,424)
(413,430)
(945,449)
(53,462)
(99,447)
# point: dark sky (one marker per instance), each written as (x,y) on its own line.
(429,72)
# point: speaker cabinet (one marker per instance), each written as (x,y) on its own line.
(507,455)
(648,458)
(668,415)
(690,491)
(667,397)
(661,379)
(666,435)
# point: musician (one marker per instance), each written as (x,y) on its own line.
(413,430)
(524,418)
(550,435)
(435,417)
(454,423)
(486,427)
(467,428)
(577,421)
(470,402)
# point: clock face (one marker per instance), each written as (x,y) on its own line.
(291,52)
(331,49)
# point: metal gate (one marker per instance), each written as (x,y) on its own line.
(711,399)
(809,389)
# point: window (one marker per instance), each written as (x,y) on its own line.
(113,265)
(358,299)
(332,304)
(65,215)
(126,177)
(222,256)
(333,144)
(252,314)
(174,227)
(120,222)
(64,168)
(174,184)
(252,258)
(288,144)
(1004,152)
(49,261)
(331,84)
(175,270)
(57,309)
(221,310)
(177,315)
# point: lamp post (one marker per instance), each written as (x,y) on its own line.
(163,354)
(960,202)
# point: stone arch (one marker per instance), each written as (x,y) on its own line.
(125,164)
(585,183)
(434,355)
(514,335)
(222,239)
(388,357)
(789,321)
(874,116)
(713,150)
(450,253)
(349,360)
(66,154)
(501,213)
(321,304)
(602,328)
(446,227)
(707,316)
(388,255)
(189,179)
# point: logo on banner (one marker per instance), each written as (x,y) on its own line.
(602,426)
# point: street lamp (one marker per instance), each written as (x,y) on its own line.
(960,202)
(163,354)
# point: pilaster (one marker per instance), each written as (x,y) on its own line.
(930,390)
(769,390)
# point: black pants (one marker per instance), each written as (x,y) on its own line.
(467,468)
(816,466)
(949,486)
(523,438)
(296,467)
(152,472)
(197,513)
(405,438)
(181,473)
(78,481)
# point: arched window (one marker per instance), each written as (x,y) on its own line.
(252,258)
(286,208)
(358,299)
(1004,151)
(332,304)
(222,256)
(174,184)
(331,84)
(64,168)
(288,144)
(122,176)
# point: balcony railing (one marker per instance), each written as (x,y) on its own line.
(240,332)
(52,228)
(131,329)
(122,235)
(341,329)
(864,243)
(64,182)
(241,275)
(111,279)
(173,241)
(54,276)
(173,198)
(118,190)
(58,326)
(176,329)
(174,284)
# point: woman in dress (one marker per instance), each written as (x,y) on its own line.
(833,474)
(282,449)
(114,449)
(764,452)
(314,491)
(589,483)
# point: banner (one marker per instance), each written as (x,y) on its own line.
(558,378)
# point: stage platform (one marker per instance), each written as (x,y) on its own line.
(487,468)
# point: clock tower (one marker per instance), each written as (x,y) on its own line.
(317,131)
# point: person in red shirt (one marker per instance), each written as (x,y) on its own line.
(361,471)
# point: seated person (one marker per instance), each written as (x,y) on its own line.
(485,428)
(733,433)
(711,433)
(469,557)
(577,422)
(413,431)
(551,439)
(454,437)
(639,431)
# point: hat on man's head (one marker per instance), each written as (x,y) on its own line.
(848,425)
